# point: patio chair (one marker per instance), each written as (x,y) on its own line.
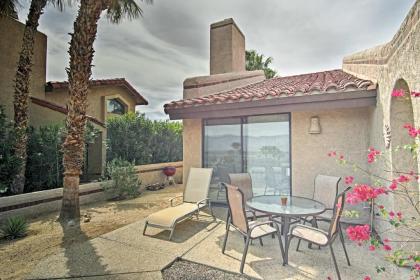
(250,230)
(325,191)
(320,237)
(195,197)
(244,182)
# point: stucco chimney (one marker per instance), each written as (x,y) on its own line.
(227,47)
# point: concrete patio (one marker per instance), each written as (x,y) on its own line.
(127,254)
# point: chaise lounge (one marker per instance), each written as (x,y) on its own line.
(195,197)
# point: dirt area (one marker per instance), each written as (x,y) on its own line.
(45,236)
(190,271)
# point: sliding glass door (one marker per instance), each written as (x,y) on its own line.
(258,145)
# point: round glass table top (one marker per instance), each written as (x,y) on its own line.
(295,205)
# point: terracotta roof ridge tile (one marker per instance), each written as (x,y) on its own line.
(309,83)
(140,100)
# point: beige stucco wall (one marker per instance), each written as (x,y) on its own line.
(96,99)
(345,131)
(11,34)
(386,64)
(227,47)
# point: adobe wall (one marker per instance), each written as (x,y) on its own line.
(11,34)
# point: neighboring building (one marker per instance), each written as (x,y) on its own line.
(48,99)
(280,130)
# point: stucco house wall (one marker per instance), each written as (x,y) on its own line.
(11,34)
(345,131)
(391,65)
(96,99)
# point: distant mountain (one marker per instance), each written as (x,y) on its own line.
(252,144)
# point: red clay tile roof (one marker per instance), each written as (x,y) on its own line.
(305,84)
(140,100)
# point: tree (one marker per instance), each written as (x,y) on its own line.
(81,54)
(9,8)
(255,61)
(21,94)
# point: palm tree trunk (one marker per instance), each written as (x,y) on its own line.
(21,96)
(81,54)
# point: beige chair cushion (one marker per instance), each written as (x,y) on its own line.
(261,230)
(197,187)
(168,216)
(314,235)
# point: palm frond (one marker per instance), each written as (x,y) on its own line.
(120,9)
(9,8)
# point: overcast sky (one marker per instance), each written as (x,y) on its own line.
(171,42)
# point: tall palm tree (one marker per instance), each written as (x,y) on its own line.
(81,54)
(9,8)
(255,61)
(21,94)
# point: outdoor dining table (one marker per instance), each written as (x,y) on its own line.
(295,208)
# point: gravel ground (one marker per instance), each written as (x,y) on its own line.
(192,271)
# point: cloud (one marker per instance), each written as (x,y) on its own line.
(171,41)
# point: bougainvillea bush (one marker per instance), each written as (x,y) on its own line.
(403,184)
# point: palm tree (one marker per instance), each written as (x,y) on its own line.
(255,61)
(9,8)
(81,54)
(21,95)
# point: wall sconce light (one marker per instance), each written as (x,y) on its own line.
(315,126)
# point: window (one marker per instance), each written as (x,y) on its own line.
(115,106)
(259,145)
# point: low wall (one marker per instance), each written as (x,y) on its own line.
(33,204)
(152,173)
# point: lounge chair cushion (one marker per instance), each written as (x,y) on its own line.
(261,230)
(168,216)
(311,234)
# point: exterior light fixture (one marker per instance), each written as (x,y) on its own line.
(315,126)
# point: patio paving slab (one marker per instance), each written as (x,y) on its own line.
(127,254)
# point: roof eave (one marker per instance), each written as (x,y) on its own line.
(324,101)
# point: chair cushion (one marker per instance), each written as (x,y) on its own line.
(168,216)
(261,230)
(311,234)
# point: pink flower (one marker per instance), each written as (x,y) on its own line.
(387,248)
(416,266)
(412,131)
(381,207)
(394,185)
(367,278)
(399,215)
(363,192)
(397,93)
(391,214)
(372,248)
(332,154)
(403,179)
(349,180)
(415,94)
(358,233)
(386,240)
(372,154)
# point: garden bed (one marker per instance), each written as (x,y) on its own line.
(45,235)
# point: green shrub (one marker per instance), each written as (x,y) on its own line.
(137,139)
(44,168)
(15,227)
(124,180)
(9,164)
